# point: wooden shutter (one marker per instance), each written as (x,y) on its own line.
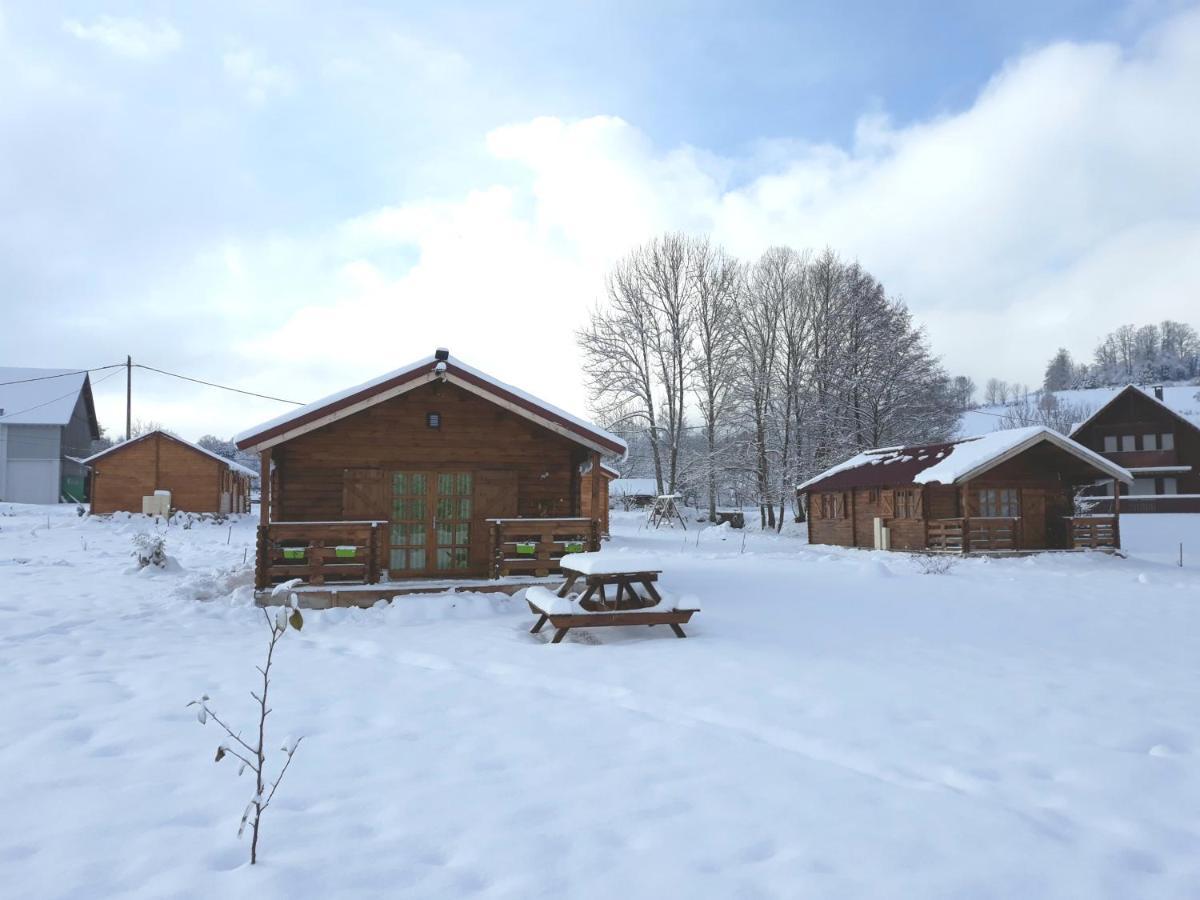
(495,498)
(364,495)
(918,504)
(839,506)
(887,504)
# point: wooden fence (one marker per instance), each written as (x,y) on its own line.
(1095,533)
(534,546)
(974,534)
(319,552)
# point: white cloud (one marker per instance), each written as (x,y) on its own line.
(1062,203)
(127,37)
(257,79)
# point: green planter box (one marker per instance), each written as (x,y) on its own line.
(525,548)
(294,552)
(574,546)
(346,552)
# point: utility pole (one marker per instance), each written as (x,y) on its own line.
(128,396)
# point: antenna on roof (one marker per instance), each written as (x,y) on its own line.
(441,354)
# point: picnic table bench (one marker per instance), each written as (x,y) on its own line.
(628,605)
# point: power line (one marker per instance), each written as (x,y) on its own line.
(61,375)
(213,384)
(56,399)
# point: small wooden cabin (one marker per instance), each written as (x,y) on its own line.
(608,474)
(199,480)
(1159,447)
(634,493)
(1010,491)
(434,470)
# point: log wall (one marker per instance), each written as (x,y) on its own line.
(342,470)
(157,462)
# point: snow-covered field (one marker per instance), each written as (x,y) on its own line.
(838,724)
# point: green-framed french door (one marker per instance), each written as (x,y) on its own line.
(430,523)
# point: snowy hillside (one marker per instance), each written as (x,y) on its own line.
(836,724)
(1181,398)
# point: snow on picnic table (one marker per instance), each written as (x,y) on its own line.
(836,725)
(610,562)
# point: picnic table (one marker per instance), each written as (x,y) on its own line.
(635,599)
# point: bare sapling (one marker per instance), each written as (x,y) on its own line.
(253,756)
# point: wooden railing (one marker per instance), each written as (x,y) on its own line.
(319,552)
(534,546)
(1095,533)
(1144,503)
(945,534)
(974,534)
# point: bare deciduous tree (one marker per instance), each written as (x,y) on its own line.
(253,756)
(719,283)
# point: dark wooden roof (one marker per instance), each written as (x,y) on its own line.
(956,461)
(422,372)
(886,466)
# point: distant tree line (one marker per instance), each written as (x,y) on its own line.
(735,380)
(1131,355)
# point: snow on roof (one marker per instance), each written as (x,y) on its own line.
(1187,417)
(48,400)
(952,462)
(237,467)
(454,371)
(971,456)
(633,487)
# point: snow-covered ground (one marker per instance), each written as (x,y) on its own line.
(838,724)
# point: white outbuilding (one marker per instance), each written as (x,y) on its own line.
(47,425)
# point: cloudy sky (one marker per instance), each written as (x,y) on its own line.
(293,199)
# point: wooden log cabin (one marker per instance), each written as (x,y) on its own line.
(434,470)
(199,480)
(1159,446)
(1009,491)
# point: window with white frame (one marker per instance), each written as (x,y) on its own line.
(1110,443)
(1142,486)
(1168,441)
(1128,442)
(1170,486)
(1149,441)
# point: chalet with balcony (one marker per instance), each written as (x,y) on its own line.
(1159,446)
(432,471)
(1010,491)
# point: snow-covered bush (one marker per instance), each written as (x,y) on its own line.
(254,756)
(934,565)
(150,550)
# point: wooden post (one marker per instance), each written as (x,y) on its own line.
(316,561)
(853,517)
(966,518)
(595,486)
(373,555)
(261,551)
(264,488)
(128,397)
(1116,514)
(924,517)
